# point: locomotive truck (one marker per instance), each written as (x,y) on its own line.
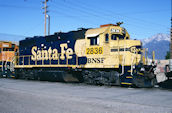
(104,55)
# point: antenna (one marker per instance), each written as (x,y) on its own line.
(119,23)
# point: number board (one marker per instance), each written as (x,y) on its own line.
(94,50)
(115,30)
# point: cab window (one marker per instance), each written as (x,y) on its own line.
(94,40)
(107,38)
(115,36)
(5,49)
(8,49)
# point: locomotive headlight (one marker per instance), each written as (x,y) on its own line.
(133,67)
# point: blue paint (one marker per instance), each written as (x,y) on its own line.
(53,41)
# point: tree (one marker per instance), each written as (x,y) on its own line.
(167,55)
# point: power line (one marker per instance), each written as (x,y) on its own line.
(147,12)
(109,12)
(22,7)
(83,12)
(77,8)
(80,8)
(106,14)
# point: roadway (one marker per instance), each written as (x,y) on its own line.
(26,96)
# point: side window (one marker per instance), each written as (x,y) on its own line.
(13,45)
(94,40)
(5,49)
(107,38)
(0,50)
(121,37)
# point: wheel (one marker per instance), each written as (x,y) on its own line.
(39,78)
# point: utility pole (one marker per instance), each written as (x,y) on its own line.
(170,61)
(45,12)
(171,41)
(48,16)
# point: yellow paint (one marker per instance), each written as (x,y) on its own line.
(94,50)
(129,70)
(129,77)
(140,73)
(12,76)
(33,66)
(125,83)
(153,56)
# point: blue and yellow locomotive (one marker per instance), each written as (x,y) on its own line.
(104,55)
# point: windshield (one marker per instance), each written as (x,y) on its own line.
(114,37)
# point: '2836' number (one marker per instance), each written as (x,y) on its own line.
(95,50)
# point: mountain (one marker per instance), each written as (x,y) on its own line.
(159,43)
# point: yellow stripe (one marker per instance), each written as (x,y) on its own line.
(129,70)
(12,76)
(116,66)
(140,73)
(32,66)
(126,83)
(129,77)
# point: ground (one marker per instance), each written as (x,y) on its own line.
(24,96)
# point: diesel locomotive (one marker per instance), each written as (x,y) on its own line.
(8,52)
(104,55)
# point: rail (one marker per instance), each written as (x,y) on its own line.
(26,60)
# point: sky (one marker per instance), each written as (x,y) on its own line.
(142,18)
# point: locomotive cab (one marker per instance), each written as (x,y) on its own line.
(108,46)
(110,50)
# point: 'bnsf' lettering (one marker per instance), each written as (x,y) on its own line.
(95,60)
(51,54)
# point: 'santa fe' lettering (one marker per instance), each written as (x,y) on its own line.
(51,54)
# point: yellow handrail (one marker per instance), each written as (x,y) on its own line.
(18,59)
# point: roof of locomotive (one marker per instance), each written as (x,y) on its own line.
(78,34)
(58,36)
(103,28)
(95,31)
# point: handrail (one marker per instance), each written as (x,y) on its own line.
(133,58)
(132,66)
(123,61)
(24,59)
